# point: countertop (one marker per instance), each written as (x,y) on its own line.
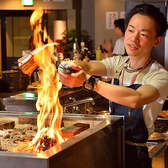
(8,94)
(63,91)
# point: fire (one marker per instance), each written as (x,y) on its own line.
(47,103)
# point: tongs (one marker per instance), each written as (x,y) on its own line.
(28,55)
(66,69)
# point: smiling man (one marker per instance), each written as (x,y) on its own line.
(139,83)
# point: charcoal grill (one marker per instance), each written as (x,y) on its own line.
(102,145)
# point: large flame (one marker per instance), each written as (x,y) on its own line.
(48,105)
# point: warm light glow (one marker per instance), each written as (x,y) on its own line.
(48,105)
(59,28)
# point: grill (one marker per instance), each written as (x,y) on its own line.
(161,125)
(102,145)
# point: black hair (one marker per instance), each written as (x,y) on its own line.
(152,12)
(121,24)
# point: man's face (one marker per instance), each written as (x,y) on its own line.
(140,36)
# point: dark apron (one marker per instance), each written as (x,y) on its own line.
(136,156)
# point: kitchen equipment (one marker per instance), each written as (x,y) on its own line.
(27,63)
(76,108)
(10,80)
(102,145)
(156,136)
(83,106)
(14,80)
(156,149)
(161,125)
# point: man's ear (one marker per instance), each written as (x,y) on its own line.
(158,41)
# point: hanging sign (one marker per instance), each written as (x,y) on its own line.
(27,2)
(53,0)
(110,17)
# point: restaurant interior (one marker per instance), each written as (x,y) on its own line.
(87,21)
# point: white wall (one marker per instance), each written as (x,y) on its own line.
(88,17)
(101,7)
(94,18)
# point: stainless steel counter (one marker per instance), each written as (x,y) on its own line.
(19,103)
(100,146)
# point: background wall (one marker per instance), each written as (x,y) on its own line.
(94,18)
(88,17)
(16,4)
(101,7)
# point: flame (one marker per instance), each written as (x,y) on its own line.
(48,104)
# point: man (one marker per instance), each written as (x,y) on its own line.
(118,49)
(139,83)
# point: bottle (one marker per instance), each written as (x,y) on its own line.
(76,51)
(76,47)
(82,45)
(89,48)
(86,59)
(89,45)
(98,54)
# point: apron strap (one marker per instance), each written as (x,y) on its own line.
(136,144)
(141,75)
(119,70)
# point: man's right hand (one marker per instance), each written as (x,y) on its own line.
(74,79)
